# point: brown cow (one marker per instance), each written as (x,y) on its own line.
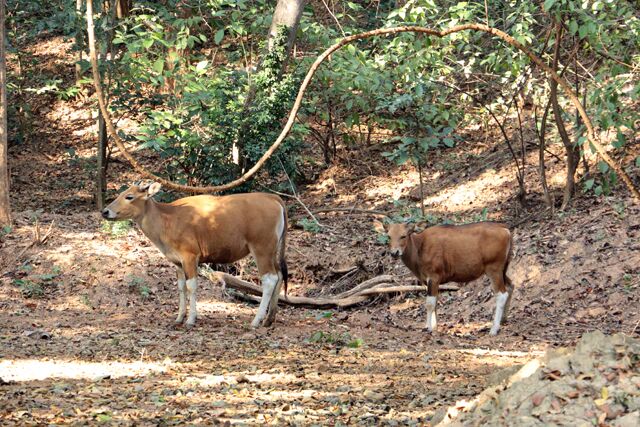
(215,229)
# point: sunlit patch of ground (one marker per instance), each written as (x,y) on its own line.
(35,369)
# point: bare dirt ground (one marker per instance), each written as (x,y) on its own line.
(86,315)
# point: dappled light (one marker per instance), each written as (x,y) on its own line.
(454,124)
(34,370)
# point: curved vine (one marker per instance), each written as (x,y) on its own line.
(305,83)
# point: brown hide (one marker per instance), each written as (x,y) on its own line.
(216,229)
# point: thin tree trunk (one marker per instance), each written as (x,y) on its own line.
(548,198)
(5,211)
(572,156)
(421,188)
(101,178)
(103,136)
(79,44)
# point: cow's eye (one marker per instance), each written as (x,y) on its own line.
(129,197)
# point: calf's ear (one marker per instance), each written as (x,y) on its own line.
(379,227)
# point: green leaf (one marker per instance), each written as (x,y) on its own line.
(603,167)
(588,184)
(219,36)
(573,27)
(356,343)
(158,66)
(201,67)
(638,161)
(147,43)
(448,142)
(548,4)
(598,190)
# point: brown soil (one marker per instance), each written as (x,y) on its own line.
(87,314)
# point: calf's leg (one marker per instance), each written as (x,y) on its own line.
(510,287)
(502,296)
(432,301)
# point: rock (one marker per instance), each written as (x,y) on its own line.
(373,396)
(629,420)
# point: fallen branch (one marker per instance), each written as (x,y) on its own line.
(366,290)
(348,211)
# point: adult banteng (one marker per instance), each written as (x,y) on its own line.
(215,229)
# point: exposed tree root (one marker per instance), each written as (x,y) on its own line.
(366,290)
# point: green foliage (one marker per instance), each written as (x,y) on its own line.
(115,229)
(310,225)
(138,285)
(36,285)
(344,339)
(195,112)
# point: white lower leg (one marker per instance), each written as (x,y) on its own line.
(182,308)
(431,313)
(501,301)
(192,286)
(273,304)
(269,282)
(505,312)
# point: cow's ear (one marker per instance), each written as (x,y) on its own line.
(420,226)
(411,227)
(379,226)
(153,189)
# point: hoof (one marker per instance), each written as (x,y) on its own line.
(189,325)
(493,333)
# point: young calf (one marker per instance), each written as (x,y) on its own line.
(447,253)
(216,229)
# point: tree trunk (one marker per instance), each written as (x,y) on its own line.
(572,154)
(79,44)
(5,211)
(101,177)
(287,13)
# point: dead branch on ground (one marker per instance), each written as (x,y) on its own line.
(368,289)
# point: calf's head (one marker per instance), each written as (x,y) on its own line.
(398,236)
(130,203)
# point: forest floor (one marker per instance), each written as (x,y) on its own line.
(87,313)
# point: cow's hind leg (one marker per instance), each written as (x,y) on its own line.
(182,307)
(502,296)
(270,285)
(190,266)
(273,304)
(510,287)
(433,285)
